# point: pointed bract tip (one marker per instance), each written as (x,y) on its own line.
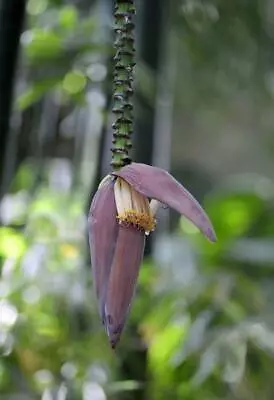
(211,235)
(113,331)
(114,342)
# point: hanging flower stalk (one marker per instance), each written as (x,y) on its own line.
(123,210)
(123,81)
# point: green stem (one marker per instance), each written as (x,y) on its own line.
(123,82)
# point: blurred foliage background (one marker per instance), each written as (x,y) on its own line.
(202,324)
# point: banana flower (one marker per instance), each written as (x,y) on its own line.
(122,213)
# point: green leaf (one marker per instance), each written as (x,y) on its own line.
(234,213)
(4,375)
(35,92)
(44,44)
(12,243)
(24,178)
(164,346)
(36,7)
(68,17)
(74,82)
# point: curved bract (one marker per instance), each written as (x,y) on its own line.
(121,215)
